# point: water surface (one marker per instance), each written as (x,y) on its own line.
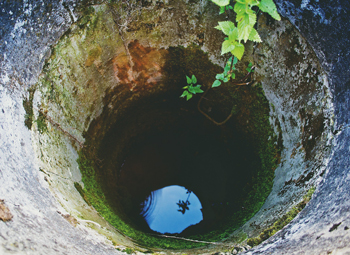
(172,209)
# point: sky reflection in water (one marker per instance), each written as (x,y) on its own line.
(165,210)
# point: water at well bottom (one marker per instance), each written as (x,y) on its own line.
(172,209)
(218,173)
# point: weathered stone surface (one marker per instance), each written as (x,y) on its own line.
(32,27)
(324,25)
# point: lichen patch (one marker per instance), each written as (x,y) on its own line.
(142,68)
(5,214)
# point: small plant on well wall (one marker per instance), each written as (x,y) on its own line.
(192,88)
(238,31)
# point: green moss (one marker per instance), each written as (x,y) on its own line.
(282,222)
(28,107)
(251,105)
(93,193)
(41,122)
(81,192)
(250,116)
(129,251)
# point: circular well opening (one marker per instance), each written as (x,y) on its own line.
(140,137)
(160,141)
(218,164)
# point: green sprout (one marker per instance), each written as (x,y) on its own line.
(227,74)
(191,89)
(223,9)
(249,68)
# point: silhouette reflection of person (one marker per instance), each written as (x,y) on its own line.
(183,205)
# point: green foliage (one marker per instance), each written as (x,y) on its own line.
(191,89)
(79,188)
(231,43)
(282,222)
(243,30)
(223,9)
(227,74)
(246,19)
(221,2)
(269,7)
(249,68)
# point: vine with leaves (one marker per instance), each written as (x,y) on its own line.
(238,32)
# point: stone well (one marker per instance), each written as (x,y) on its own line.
(84,79)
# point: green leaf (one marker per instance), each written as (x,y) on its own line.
(249,68)
(238,51)
(227,46)
(189,96)
(226,79)
(229,7)
(189,81)
(240,7)
(226,69)
(185,93)
(191,89)
(233,36)
(246,21)
(198,89)
(226,27)
(221,2)
(269,7)
(194,79)
(220,76)
(216,83)
(222,9)
(218,27)
(251,3)
(254,36)
(185,87)
(235,60)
